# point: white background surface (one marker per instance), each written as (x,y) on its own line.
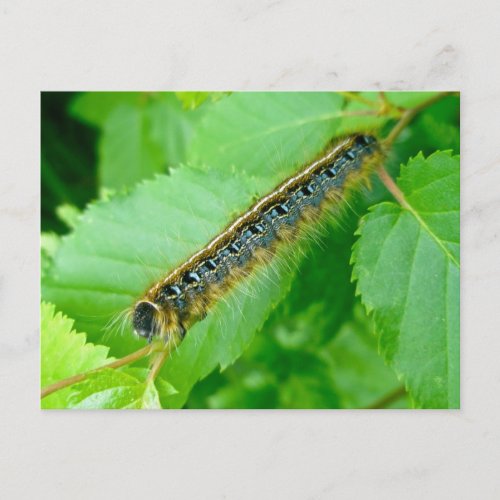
(303,45)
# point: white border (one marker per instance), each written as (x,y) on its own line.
(241,45)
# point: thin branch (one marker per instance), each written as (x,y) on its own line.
(130,358)
(383,98)
(392,187)
(361,112)
(157,364)
(409,115)
(357,97)
(385,401)
(381,107)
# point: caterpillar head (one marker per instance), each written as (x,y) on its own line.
(152,321)
(146,320)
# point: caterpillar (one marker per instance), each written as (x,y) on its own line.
(186,294)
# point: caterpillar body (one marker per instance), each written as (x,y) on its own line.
(187,293)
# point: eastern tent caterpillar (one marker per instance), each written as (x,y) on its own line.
(186,294)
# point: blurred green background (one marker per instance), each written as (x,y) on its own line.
(68,159)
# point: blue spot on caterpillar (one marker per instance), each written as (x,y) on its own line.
(186,294)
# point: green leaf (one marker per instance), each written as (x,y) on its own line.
(95,107)
(113,389)
(68,214)
(127,152)
(142,133)
(406,262)
(49,245)
(165,390)
(163,387)
(266,134)
(64,353)
(172,128)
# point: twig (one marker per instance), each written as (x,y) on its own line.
(356,97)
(157,364)
(130,358)
(361,112)
(392,187)
(409,115)
(388,399)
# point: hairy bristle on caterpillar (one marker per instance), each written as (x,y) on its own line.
(187,293)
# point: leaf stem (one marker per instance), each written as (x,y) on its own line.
(356,97)
(386,400)
(392,187)
(157,364)
(130,358)
(409,115)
